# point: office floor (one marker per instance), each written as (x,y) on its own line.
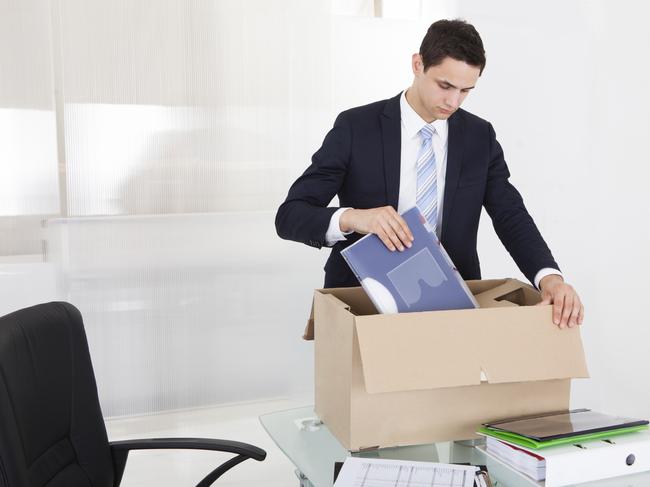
(177,468)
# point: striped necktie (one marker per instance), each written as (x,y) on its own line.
(427,178)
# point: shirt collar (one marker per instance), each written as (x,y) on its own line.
(413,123)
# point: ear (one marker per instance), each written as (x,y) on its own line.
(416,64)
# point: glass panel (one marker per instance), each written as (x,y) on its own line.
(28,154)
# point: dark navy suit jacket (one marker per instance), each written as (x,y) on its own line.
(360,162)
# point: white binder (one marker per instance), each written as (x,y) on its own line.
(597,459)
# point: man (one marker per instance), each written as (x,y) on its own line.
(421,148)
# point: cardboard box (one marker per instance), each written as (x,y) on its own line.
(412,378)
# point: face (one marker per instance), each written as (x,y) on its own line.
(440,90)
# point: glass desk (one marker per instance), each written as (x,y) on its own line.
(313,450)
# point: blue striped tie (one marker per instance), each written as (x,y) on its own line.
(427,178)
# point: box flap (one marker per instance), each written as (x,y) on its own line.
(481,286)
(353,298)
(437,349)
(308,334)
(413,351)
(510,292)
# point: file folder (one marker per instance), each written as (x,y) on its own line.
(420,278)
(563,424)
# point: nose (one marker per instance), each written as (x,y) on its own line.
(453,100)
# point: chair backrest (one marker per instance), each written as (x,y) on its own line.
(52,433)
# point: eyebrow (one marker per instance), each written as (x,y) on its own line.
(448,83)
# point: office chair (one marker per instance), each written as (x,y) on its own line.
(52,433)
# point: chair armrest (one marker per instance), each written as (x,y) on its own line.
(190,444)
(120,451)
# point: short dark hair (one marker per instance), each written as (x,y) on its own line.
(455,39)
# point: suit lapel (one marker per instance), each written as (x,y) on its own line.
(391,133)
(455,145)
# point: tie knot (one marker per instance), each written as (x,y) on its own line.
(427,132)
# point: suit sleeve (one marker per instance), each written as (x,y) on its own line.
(304,216)
(512,222)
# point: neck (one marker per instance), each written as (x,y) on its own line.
(413,102)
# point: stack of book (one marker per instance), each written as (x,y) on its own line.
(568,447)
(528,463)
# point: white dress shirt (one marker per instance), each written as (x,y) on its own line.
(412,123)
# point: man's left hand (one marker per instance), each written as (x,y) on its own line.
(567,307)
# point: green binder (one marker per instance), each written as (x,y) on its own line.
(537,445)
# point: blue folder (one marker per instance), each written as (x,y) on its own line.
(420,278)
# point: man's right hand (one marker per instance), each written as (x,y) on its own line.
(384,222)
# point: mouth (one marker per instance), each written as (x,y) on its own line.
(446,112)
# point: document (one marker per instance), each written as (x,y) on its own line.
(372,472)
(420,278)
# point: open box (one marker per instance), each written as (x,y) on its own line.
(410,378)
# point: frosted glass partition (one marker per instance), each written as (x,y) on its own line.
(28,150)
(28,171)
(24,281)
(145,159)
(178,107)
(156,139)
(188,310)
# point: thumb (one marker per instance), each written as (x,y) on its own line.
(546,299)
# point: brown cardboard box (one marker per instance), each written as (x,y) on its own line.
(411,378)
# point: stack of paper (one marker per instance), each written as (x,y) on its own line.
(373,472)
(528,463)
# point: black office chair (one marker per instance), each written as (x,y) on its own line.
(52,433)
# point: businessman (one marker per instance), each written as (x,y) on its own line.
(420,148)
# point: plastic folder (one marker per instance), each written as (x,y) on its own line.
(561,427)
(420,278)
(568,440)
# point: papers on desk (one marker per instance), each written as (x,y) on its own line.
(372,472)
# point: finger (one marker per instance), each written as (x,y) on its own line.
(575,312)
(566,310)
(398,223)
(404,226)
(390,233)
(384,238)
(399,231)
(558,303)
(581,314)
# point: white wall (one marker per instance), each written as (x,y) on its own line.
(565,87)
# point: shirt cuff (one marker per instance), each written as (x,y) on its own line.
(546,271)
(334,233)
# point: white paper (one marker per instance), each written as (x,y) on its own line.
(372,472)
